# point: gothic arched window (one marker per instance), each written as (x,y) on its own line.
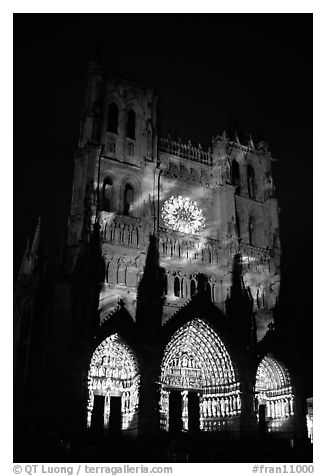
(193,288)
(131,124)
(208,291)
(107,194)
(177,286)
(128,199)
(251,182)
(113,115)
(235,173)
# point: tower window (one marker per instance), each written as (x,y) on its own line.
(130,149)
(177,286)
(251,182)
(235,173)
(128,199)
(107,194)
(113,115)
(131,124)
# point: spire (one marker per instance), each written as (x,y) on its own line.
(25,264)
(31,254)
(251,142)
(150,294)
(36,239)
(151,283)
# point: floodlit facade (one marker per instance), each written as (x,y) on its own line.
(162,305)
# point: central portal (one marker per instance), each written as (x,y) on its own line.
(199,390)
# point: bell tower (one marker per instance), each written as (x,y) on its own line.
(115,170)
(250,215)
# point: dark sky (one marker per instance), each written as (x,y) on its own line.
(252,72)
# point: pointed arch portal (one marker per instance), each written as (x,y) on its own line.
(113,376)
(274,393)
(196,363)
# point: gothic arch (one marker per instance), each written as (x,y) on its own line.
(177,286)
(193,287)
(114,372)
(208,290)
(132,105)
(108,194)
(113,98)
(196,360)
(132,182)
(273,390)
(235,173)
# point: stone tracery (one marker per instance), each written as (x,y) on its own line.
(196,360)
(182,214)
(114,372)
(273,389)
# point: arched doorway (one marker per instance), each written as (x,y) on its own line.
(113,386)
(274,395)
(197,370)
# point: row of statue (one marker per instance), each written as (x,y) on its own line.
(109,383)
(185,250)
(216,406)
(279,408)
(112,372)
(210,406)
(120,233)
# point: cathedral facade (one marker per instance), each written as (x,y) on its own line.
(163,305)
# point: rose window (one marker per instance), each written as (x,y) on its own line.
(182,214)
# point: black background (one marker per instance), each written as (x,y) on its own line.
(251,72)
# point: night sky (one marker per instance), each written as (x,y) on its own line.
(250,72)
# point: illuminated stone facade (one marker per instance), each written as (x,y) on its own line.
(166,291)
(131,183)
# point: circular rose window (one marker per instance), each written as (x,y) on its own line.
(182,214)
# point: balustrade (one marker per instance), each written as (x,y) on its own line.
(175,246)
(185,151)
